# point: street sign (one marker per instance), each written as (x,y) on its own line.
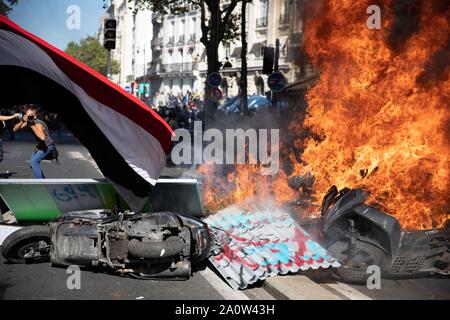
(214,79)
(127,88)
(276,81)
(215,94)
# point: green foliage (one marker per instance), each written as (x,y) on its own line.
(91,52)
(175,7)
(224,28)
(6,6)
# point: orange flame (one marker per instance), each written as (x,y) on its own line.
(383,129)
(382,117)
(244,185)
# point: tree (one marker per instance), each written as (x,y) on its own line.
(91,52)
(6,6)
(219,23)
(244,98)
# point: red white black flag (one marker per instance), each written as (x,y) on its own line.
(127,139)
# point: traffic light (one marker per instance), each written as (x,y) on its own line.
(109,41)
(269,57)
(147,90)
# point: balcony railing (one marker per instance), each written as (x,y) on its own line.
(171,41)
(192,38)
(181,39)
(261,23)
(179,67)
(153,69)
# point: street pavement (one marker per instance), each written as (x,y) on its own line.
(42,281)
(300,287)
(75,160)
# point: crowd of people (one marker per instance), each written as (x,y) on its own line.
(181,111)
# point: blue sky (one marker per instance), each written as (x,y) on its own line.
(47,19)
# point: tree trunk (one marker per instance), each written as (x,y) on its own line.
(212,59)
(244,101)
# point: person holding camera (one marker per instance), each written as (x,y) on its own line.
(45,147)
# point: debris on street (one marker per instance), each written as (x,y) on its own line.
(262,244)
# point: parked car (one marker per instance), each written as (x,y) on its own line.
(255,104)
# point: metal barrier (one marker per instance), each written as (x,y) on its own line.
(45,199)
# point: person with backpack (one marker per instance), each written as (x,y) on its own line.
(45,146)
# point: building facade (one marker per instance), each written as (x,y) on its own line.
(267,21)
(176,47)
(164,52)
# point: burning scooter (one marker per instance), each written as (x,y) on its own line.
(147,246)
(359,235)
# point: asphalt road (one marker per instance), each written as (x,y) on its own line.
(75,160)
(42,281)
(431,288)
(434,287)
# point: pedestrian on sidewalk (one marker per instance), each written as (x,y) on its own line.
(2,128)
(45,147)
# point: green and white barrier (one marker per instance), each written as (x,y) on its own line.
(45,199)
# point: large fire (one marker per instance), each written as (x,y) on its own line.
(380,109)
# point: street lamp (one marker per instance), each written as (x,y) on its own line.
(144,77)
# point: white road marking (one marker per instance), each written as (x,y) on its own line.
(93,163)
(77,155)
(5,231)
(298,287)
(220,286)
(348,291)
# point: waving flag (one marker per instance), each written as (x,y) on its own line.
(127,139)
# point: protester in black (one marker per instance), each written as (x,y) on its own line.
(45,147)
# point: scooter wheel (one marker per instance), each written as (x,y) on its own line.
(20,242)
(354,268)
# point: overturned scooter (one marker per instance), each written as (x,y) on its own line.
(147,246)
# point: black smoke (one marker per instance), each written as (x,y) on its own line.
(405,23)
(437,68)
